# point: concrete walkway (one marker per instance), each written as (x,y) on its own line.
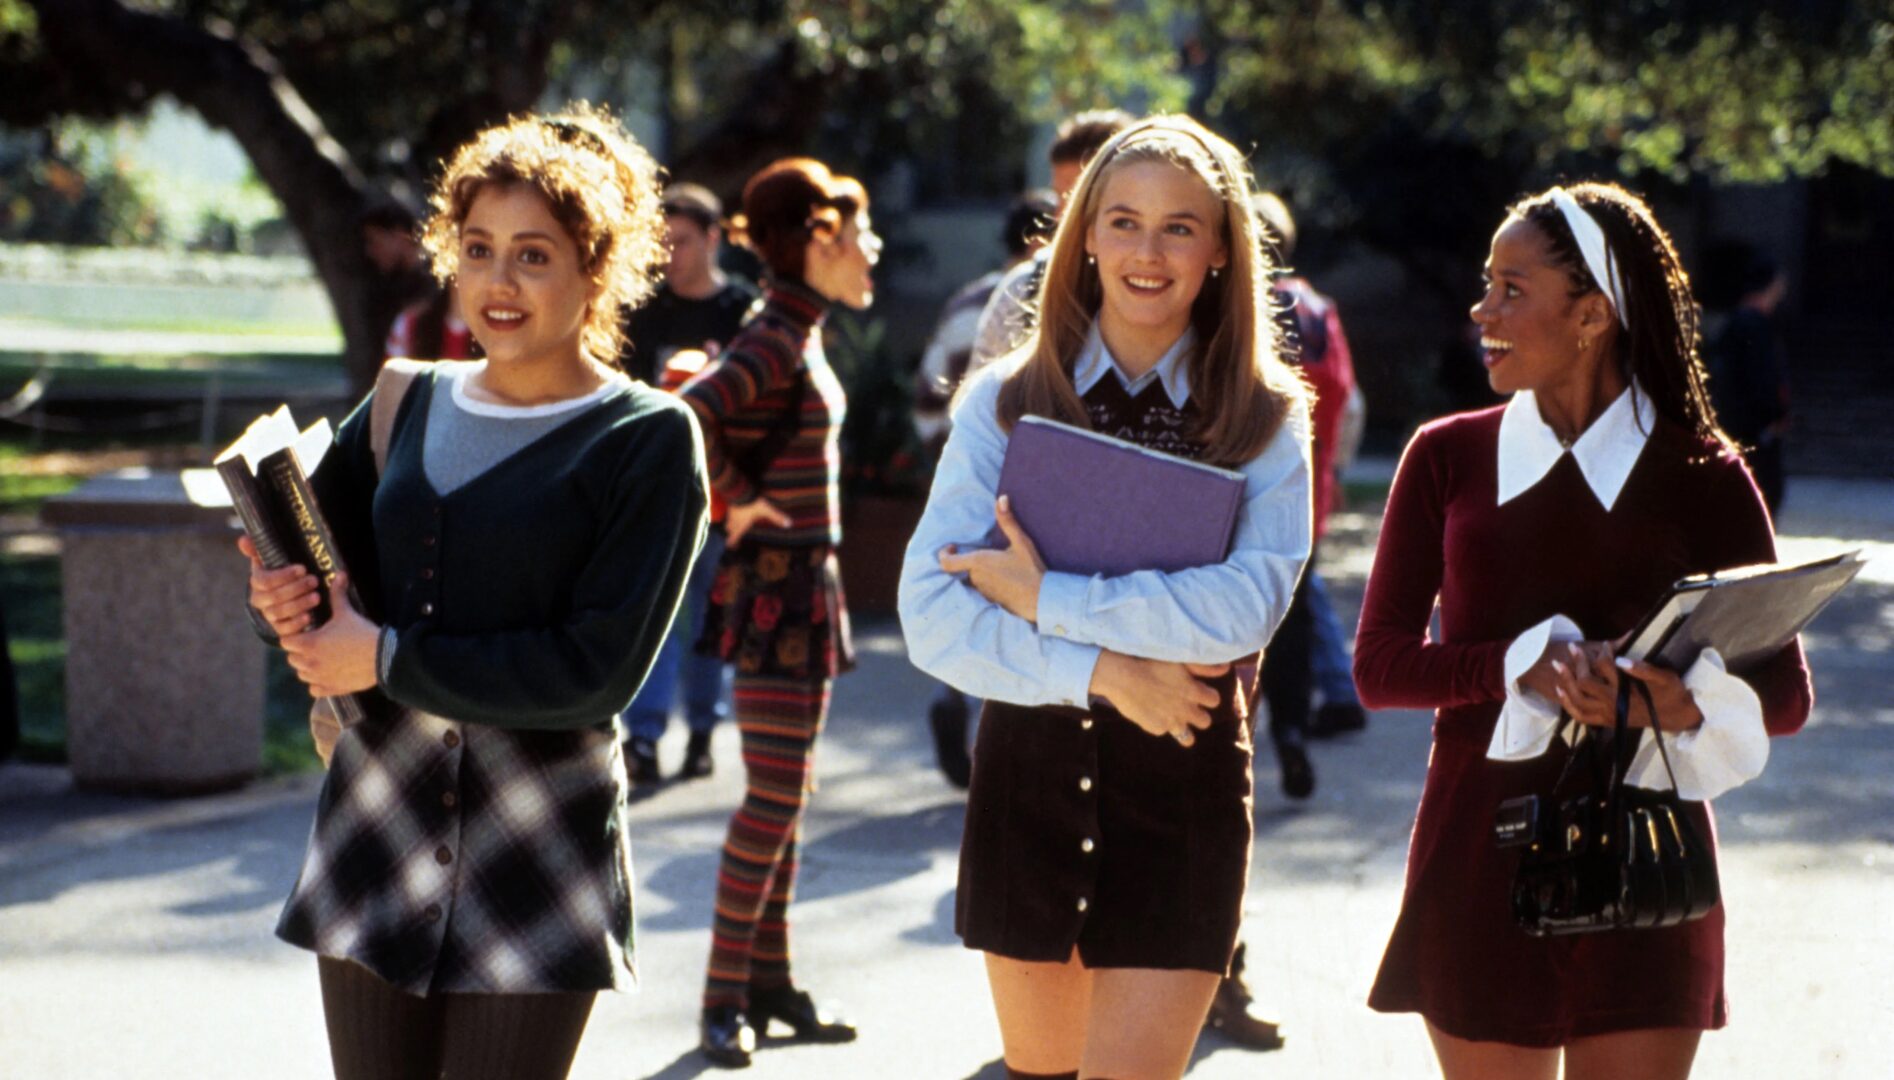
(135,935)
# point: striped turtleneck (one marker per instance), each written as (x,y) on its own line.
(774,377)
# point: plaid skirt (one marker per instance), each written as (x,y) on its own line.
(779,612)
(449,857)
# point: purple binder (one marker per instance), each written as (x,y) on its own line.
(1098,505)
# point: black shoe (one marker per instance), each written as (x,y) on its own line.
(697,760)
(948,719)
(727,1038)
(797,1009)
(642,755)
(1337,718)
(1298,775)
(1230,1013)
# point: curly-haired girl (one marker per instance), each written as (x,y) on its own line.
(519,556)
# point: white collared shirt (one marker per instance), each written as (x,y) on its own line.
(1732,746)
(1172,369)
(1606,451)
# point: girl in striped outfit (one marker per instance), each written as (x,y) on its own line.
(771,409)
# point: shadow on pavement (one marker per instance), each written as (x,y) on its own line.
(263,846)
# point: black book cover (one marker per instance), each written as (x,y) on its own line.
(279,512)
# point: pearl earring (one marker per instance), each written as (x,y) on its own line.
(1215,270)
(1091,260)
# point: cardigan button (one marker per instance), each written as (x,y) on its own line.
(448,800)
(432,913)
(1083,904)
(429,541)
(452,739)
(1085,783)
(1087,846)
(427,607)
(427,573)
(1085,724)
(442,855)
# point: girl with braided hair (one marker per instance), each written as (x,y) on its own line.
(1543,530)
(519,534)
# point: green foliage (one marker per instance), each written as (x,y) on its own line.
(66,185)
(881,451)
(1742,91)
(29,593)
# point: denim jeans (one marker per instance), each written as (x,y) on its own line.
(1328,657)
(680,668)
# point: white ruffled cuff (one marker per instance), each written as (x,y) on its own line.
(1526,720)
(1729,748)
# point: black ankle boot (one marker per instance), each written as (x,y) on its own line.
(797,1009)
(727,1038)
(697,760)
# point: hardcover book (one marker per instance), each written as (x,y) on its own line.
(267,472)
(1094,504)
(1747,614)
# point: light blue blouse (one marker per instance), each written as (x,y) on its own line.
(1210,614)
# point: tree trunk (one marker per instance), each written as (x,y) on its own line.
(237,86)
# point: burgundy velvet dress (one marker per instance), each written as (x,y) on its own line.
(1455,955)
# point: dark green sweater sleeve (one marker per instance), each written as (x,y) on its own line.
(582,671)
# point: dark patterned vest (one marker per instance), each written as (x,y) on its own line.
(1148,419)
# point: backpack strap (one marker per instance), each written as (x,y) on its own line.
(391,386)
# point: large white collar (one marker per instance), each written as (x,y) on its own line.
(1095,359)
(1605,451)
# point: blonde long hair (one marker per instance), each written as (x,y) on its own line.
(1243,388)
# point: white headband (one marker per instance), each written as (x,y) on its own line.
(1591,244)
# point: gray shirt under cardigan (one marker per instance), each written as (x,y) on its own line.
(475,840)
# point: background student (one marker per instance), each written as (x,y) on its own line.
(696,309)
(771,409)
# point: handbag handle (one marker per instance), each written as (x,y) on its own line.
(1657,732)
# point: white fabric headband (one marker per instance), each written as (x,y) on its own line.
(1591,244)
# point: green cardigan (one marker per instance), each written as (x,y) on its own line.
(536,595)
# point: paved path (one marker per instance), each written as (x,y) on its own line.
(134,935)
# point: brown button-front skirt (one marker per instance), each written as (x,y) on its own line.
(1083,830)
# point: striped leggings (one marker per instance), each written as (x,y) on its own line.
(749,938)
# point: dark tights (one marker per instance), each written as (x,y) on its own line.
(377,1032)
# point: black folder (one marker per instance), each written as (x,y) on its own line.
(1746,614)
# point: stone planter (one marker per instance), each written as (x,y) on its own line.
(164,675)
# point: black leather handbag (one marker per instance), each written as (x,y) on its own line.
(1614,858)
